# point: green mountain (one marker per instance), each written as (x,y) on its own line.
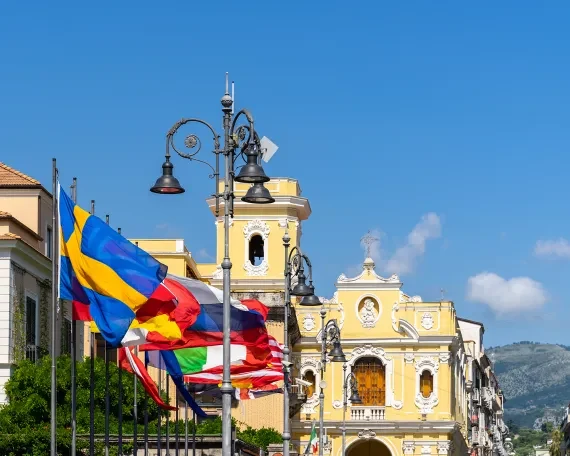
(535,379)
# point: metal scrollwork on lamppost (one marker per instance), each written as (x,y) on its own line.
(330,335)
(351,383)
(239,141)
(295,261)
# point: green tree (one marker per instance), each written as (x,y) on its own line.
(25,419)
(556,437)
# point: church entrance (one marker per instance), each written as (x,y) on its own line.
(368,448)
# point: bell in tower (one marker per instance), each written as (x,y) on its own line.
(256,252)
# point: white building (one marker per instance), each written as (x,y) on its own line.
(25,273)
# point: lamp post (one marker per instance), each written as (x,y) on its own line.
(330,335)
(294,267)
(238,141)
(349,382)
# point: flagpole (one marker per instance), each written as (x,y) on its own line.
(176,427)
(186,430)
(107,396)
(135,404)
(73,354)
(135,410)
(194,432)
(120,411)
(54,297)
(145,411)
(92,379)
(158,436)
(167,416)
(194,423)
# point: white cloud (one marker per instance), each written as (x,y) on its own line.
(506,297)
(404,258)
(559,248)
(204,255)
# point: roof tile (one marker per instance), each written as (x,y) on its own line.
(9,177)
(7,236)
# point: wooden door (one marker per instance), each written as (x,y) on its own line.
(371,378)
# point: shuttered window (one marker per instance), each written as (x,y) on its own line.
(371,377)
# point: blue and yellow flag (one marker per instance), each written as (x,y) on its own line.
(103,271)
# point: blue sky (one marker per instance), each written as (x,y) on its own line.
(447,116)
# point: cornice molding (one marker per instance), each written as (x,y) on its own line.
(334,427)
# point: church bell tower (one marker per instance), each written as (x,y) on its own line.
(256,240)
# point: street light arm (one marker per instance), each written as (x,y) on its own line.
(331,332)
(249,117)
(295,261)
(193,141)
(310,266)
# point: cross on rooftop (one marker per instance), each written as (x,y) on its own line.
(367,240)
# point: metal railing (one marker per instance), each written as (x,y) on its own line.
(367,413)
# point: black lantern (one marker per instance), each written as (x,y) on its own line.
(301,289)
(258,194)
(355,397)
(252,172)
(167,183)
(311,300)
(336,353)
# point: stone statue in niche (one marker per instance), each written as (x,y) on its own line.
(368,314)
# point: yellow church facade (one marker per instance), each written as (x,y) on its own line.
(407,355)
(408,361)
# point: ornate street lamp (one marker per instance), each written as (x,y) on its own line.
(351,383)
(294,267)
(242,141)
(330,335)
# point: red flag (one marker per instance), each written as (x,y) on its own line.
(134,365)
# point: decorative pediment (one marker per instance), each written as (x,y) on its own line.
(256,227)
(369,277)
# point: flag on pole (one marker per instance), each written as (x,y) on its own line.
(134,365)
(313,446)
(252,376)
(101,269)
(184,312)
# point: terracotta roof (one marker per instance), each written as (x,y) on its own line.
(9,177)
(9,236)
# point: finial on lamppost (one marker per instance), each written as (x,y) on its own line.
(227,99)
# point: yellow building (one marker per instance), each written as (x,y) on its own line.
(408,359)
(408,356)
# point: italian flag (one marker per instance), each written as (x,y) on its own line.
(199,359)
(313,446)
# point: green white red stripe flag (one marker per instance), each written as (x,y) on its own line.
(313,446)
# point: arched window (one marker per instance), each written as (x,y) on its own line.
(309,376)
(426,383)
(371,377)
(256,250)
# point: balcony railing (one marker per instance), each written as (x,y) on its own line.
(34,353)
(367,413)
